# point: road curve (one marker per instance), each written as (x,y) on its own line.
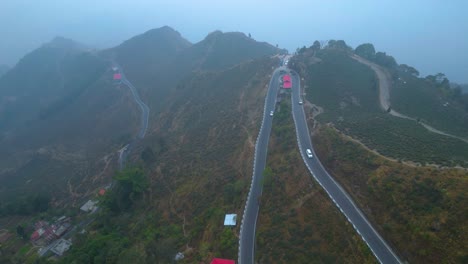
(144,116)
(249,218)
(384,96)
(342,200)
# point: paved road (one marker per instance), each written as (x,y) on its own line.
(144,117)
(339,196)
(249,219)
(143,107)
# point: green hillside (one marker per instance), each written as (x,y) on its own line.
(60,90)
(418,209)
(348,92)
(437,104)
(202,125)
(199,170)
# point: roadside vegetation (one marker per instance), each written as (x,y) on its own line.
(298,223)
(421,211)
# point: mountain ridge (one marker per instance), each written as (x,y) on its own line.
(74,89)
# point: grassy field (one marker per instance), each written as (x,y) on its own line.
(298,223)
(420,210)
(348,92)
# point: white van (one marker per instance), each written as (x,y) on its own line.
(309,153)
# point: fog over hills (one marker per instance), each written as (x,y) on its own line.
(62,89)
(3,69)
(69,114)
(432,41)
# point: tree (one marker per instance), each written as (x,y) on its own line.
(315,46)
(366,50)
(338,44)
(20,231)
(302,50)
(250,36)
(130,184)
(409,69)
(385,60)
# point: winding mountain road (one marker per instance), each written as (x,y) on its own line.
(249,218)
(144,116)
(339,196)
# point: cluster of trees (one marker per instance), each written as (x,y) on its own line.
(130,185)
(450,91)
(25,205)
(367,51)
(339,44)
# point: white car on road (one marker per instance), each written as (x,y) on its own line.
(309,153)
(271,113)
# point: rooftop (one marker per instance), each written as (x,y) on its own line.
(230,220)
(62,246)
(89,206)
(222,261)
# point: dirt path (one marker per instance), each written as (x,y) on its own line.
(384,96)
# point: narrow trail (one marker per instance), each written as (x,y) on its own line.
(384,96)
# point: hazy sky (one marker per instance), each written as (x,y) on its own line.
(431,35)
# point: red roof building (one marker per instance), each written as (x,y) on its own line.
(287,84)
(102,192)
(117,76)
(222,261)
(35,236)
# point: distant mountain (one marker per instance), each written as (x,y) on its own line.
(61,113)
(148,52)
(3,69)
(223,50)
(45,80)
(158,59)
